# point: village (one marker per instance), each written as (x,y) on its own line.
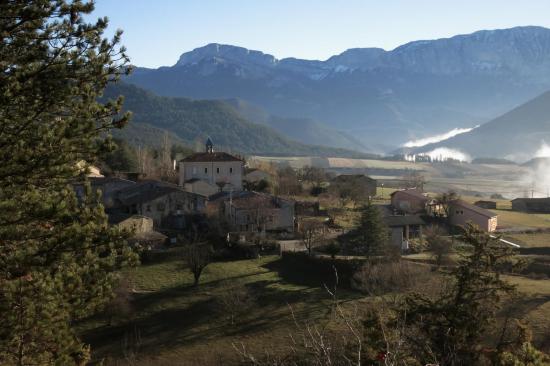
(217,187)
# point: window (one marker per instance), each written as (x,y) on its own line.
(194,170)
(218,170)
(230,170)
(205,170)
(457,212)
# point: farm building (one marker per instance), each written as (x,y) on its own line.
(410,201)
(490,205)
(462,212)
(403,228)
(538,205)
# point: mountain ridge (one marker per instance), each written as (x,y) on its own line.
(419,89)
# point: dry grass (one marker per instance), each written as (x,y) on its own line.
(531,240)
(514,219)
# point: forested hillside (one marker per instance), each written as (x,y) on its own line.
(192,121)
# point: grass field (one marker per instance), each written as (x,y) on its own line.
(174,321)
(531,240)
(514,219)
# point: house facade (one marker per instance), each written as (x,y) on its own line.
(403,228)
(462,212)
(259,212)
(410,201)
(219,169)
(166,204)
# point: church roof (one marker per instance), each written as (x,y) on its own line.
(209,157)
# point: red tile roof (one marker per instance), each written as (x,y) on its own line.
(210,157)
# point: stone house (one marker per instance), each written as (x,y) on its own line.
(166,204)
(142,228)
(462,212)
(201,187)
(259,212)
(410,201)
(106,186)
(538,205)
(219,169)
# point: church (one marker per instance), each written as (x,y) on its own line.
(210,172)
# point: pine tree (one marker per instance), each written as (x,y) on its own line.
(57,255)
(450,329)
(373,233)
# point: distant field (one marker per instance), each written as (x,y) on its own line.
(513,219)
(531,240)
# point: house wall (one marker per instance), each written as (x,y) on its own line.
(460,216)
(408,203)
(139,224)
(213,172)
(172,204)
(201,187)
(256,219)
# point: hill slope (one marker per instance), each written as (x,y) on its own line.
(517,135)
(419,89)
(191,121)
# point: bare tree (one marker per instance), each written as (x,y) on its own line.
(234,301)
(445,201)
(311,233)
(414,179)
(197,256)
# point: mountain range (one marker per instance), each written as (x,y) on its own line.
(367,99)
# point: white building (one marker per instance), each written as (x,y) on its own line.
(220,170)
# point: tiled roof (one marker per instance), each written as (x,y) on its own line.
(412,192)
(210,157)
(476,209)
(349,177)
(147,191)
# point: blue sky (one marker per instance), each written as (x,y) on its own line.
(156,32)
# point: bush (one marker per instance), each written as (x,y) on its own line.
(383,277)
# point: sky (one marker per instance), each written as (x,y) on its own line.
(157,32)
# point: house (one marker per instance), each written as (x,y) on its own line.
(106,186)
(167,204)
(258,212)
(410,201)
(218,169)
(142,229)
(462,212)
(366,184)
(256,175)
(538,205)
(490,205)
(403,228)
(195,185)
